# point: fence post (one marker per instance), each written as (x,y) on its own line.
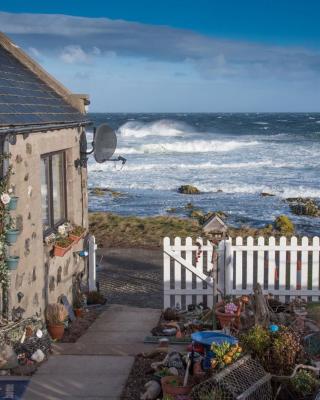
(92,264)
(166,273)
(228,267)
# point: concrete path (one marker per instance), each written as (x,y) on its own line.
(96,367)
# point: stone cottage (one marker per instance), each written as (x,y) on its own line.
(41,126)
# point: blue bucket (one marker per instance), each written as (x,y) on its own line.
(206,338)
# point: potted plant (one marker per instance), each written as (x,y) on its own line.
(13,203)
(76,233)
(62,245)
(56,314)
(78,307)
(12,235)
(173,386)
(12,262)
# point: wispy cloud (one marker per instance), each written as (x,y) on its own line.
(78,40)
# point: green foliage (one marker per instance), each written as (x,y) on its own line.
(256,341)
(284,225)
(6,222)
(63,241)
(304,382)
(77,230)
(277,351)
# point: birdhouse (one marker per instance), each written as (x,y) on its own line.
(215,226)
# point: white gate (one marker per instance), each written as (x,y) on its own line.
(284,267)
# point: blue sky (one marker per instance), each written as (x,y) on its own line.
(174,56)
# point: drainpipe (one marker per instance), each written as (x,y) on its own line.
(92,247)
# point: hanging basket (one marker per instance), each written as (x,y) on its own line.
(12,235)
(12,262)
(13,203)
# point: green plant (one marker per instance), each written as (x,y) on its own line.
(95,297)
(256,340)
(6,222)
(304,382)
(284,225)
(56,314)
(77,230)
(225,354)
(63,241)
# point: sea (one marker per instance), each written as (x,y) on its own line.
(230,157)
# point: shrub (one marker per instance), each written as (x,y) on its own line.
(95,297)
(284,225)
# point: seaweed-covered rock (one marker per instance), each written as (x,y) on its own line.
(304,206)
(188,189)
(284,225)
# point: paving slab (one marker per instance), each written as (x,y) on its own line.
(96,367)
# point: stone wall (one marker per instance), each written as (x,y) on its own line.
(41,278)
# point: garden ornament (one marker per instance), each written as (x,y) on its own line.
(153,390)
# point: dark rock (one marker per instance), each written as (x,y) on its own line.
(304,206)
(52,285)
(26,177)
(219,191)
(266,194)
(19,159)
(188,189)
(19,222)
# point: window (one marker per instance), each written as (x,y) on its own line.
(53,190)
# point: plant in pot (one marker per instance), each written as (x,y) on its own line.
(63,242)
(76,233)
(173,386)
(78,306)
(303,386)
(56,315)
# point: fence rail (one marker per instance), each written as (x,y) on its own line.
(284,267)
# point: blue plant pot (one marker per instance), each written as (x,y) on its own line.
(11,236)
(12,262)
(13,203)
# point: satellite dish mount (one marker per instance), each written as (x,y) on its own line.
(103,146)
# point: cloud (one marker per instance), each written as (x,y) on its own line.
(74,54)
(79,39)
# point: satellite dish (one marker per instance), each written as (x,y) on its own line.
(105,143)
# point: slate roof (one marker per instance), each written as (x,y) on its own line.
(27,100)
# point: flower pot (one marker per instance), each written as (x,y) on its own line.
(173,385)
(56,331)
(12,235)
(75,238)
(13,203)
(61,251)
(79,312)
(12,262)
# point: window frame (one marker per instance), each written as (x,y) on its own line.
(53,226)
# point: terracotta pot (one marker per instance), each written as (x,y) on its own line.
(61,251)
(174,389)
(56,331)
(75,238)
(78,312)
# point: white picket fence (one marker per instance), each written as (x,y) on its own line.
(284,267)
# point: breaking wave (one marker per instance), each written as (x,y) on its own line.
(163,127)
(195,146)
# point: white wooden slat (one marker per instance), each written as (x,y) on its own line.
(199,266)
(166,272)
(282,266)
(239,266)
(260,268)
(177,274)
(293,263)
(249,263)
(315,268)
(272,265)
(188,272)
(209,268)
(304,265)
